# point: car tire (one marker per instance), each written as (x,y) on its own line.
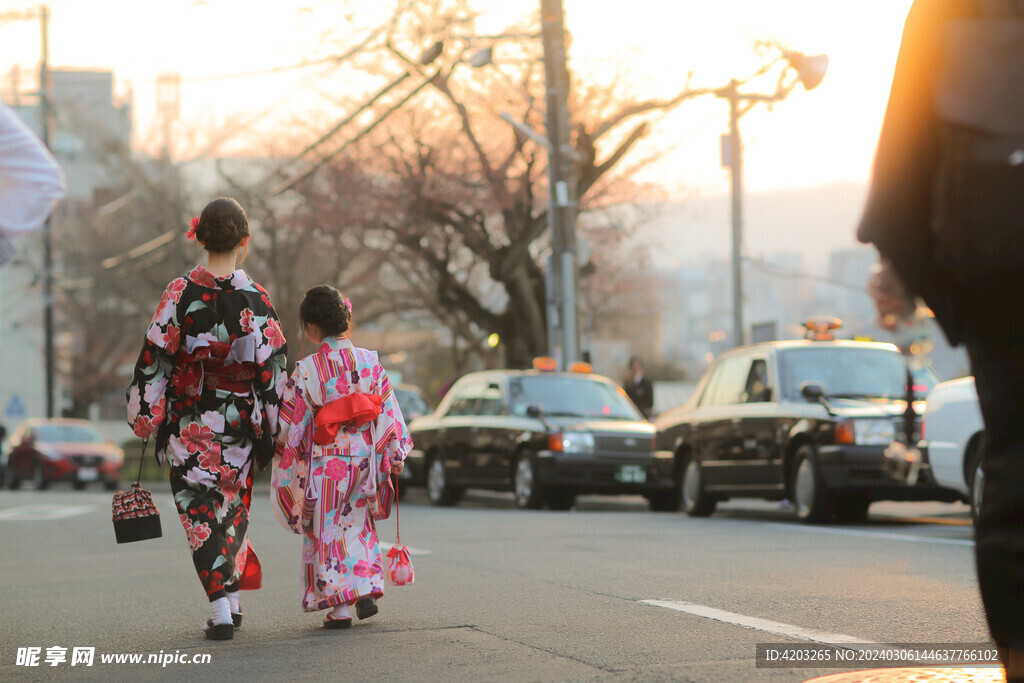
(696,501)
(111,485)
(439,491)
(813,502)
(975,478)
(525,483)
(560,498)
(39,480)
(665,501)
(78,485)
(852,508)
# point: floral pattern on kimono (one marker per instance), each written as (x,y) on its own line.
(341,555)
(208,385)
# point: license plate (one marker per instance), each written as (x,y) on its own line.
(87,474)
(631,474)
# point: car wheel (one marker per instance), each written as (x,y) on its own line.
(812,500)
(438,490)
(39,480)
(852,508)
(79,485)
(111,485)
(527,487)
(665,501)
(695,500)
(976,482)
(560,498)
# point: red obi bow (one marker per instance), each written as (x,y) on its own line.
(359,409)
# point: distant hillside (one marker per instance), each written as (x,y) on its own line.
(813,222)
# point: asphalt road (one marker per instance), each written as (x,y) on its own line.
(606,592)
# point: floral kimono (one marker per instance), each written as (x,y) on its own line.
(208,384)
(341,555)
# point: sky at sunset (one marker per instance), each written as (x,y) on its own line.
(812,138)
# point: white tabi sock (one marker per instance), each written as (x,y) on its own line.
(221,611)
(340,612)
(233,603)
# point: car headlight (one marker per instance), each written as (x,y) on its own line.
(571,442)
(866,432)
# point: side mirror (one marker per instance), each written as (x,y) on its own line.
(533,410)
(813,391)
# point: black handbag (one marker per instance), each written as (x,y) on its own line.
(135,515)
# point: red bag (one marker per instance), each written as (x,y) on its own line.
(400,571)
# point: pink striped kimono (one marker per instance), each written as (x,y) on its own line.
(341,557)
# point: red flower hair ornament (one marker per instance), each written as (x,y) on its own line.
(192,225)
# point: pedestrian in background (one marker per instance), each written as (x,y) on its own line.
(208,384)
(31,182)
(946,212)
(638,387)
(342,436)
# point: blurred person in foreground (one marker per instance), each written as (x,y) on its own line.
(31,182)
(946,212)
(208,384)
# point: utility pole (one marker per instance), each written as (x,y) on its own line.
(46,124)
(733,158)
(562,200)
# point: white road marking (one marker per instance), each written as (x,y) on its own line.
(873,534)
(39,513)
(412,551)
(759,624)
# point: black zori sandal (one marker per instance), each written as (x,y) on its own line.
(219,631)
(331,622)
(366,608)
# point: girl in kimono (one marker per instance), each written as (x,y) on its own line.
(342,435)
(208,385)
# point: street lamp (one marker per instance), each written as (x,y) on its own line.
(808,70)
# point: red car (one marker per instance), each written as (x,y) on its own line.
(45,451)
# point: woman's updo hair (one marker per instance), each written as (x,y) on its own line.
(222,225)
(325,307)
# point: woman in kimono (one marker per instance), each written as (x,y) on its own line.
(342,435)
(208,384)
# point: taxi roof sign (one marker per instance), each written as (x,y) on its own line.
(545,363)
(821,328)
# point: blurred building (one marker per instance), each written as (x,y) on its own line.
(91,125)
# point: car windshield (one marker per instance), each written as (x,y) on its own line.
(558,395)
(67,434)
(851,372)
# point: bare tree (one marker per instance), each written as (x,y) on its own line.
(461,194)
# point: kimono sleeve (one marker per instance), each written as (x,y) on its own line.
(393,442)
(271,372)
(147,392)
(294,441)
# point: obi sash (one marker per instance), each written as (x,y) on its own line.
(217,365)
(355,409)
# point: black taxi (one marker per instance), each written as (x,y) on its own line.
(547,436)
(806,420)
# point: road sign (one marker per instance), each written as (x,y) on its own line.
(15,408)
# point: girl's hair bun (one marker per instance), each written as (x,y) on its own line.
(325,307)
